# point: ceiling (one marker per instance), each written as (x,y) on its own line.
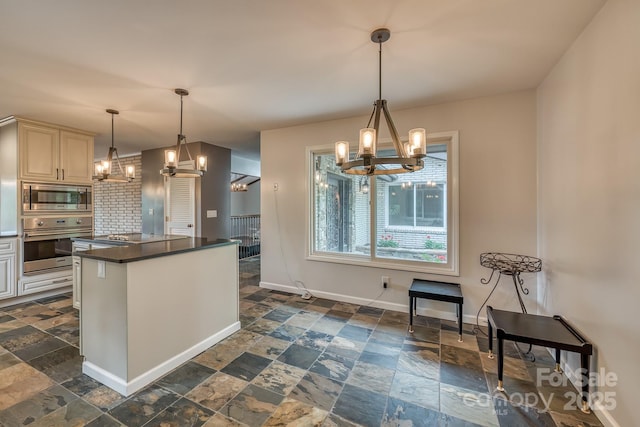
(253,65)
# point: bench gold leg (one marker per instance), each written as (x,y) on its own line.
(500,386)
(585,407)
(558,369)
(491,356)
(410,329)
(459,338)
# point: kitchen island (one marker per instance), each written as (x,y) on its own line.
(148,308)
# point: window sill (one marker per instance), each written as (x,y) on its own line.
(410,228)
(365,261)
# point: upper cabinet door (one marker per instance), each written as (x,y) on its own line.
(39,148)
(76,157)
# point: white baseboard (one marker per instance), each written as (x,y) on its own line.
(127,388)
(404,308)
(603,414)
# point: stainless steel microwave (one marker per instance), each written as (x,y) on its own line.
(39,198)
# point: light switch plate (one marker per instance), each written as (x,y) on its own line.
(212,214)
(102,270)
(150,211)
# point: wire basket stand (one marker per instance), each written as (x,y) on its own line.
(509,265)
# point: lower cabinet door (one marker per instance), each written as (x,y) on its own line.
(7,276)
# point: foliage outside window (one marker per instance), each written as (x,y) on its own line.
(413,225)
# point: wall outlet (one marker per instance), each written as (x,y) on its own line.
(385,281)
(212,213)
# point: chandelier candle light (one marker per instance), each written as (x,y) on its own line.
(408,155)
(172,157)
(103,168)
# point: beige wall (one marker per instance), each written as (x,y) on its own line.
(589,186)
(246,202)
(497,200)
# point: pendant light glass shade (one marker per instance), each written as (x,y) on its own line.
(104,168)
(408,156)
(172,166)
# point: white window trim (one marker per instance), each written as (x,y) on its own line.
(453,243)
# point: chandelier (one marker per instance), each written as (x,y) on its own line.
(104,168)
(237,187)
(172,157)
(408,156)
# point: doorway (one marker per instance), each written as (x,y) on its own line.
(180,204)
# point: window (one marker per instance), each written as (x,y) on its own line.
(413,223)
(417,204)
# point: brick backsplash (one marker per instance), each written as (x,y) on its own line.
(118,206)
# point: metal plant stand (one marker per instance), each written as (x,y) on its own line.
(510,265)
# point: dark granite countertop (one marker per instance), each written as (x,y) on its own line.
(131,253)
(132,238)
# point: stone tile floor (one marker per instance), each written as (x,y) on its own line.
(294,362)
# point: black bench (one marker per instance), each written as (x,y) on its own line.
(553,332)
(437,291)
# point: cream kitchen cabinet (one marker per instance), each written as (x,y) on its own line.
(45,282)
(8,268)
(53,154)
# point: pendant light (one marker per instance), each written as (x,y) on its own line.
(364,185)
(103,169)
(237,187)
(408,156)
(172,157)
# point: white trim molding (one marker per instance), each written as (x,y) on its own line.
(385,305)
(126,388)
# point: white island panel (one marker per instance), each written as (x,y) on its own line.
(106,319)
(146,317)
(177,301)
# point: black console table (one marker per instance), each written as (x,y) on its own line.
(437,291)
(554,332)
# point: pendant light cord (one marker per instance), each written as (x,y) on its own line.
(379,69)
(379,81)
(181,137)
(111,130)
(181,115)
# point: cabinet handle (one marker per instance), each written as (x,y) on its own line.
(63,174)
(57,173)
(60,281)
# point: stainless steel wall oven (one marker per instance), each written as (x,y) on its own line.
(47,243)
(51,198)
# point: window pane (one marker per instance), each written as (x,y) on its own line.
(341,209)
(430,206)
(401,210)
(411,211)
